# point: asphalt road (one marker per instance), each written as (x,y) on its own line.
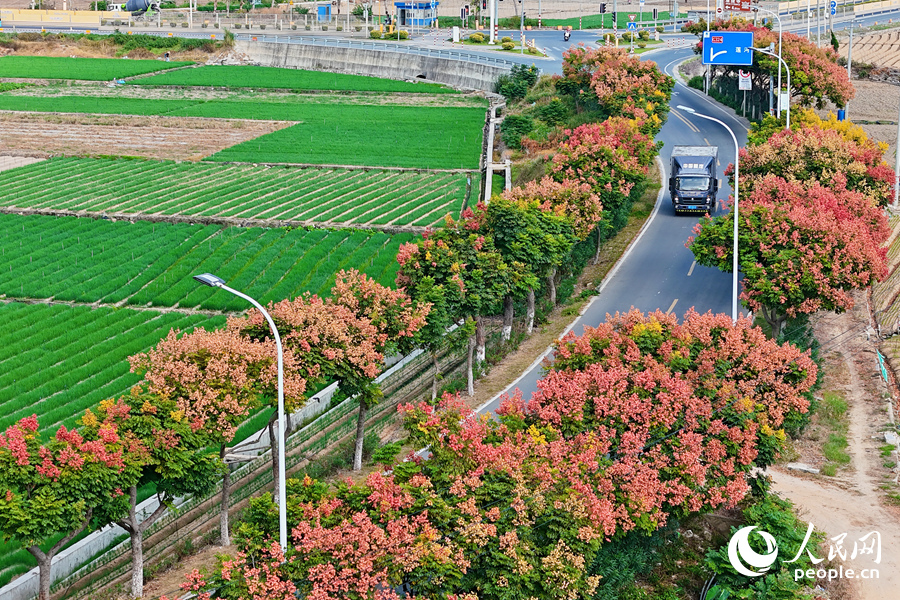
(658,272)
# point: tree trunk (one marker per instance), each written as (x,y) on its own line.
(273,448)
(507,318)
(469,376)
(137,563)
(480,336)
(435,374)
(529,313)
(599,245)
(774,320)
(136,531)
(360,435)
(551,285)
(45,560)
(224,536)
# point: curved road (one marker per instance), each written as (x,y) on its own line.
(657,271)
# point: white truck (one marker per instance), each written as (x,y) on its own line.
(693,182)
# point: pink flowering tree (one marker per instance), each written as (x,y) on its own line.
(215,379)
(458,255)
(803,248)
(538,224)
(343,338)
(820,155)
(51,492)
(612,158)
(618,84)
(396,320)
(175,460)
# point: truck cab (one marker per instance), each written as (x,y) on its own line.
(693,183)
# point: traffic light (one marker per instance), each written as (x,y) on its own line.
(483,4)
(603,8)
(655,13)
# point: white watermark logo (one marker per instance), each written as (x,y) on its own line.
(740,552)
(743,557)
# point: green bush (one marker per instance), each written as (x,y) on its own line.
(476,38)
(660,29)
(514,127)
(340,27)
(385,455)
(404,35)
(515,85)
(627,36)
(507,45)
(262,26)
(324,27)
(696,82)
(237,25)
(642,44)
(554,113)
(505,39)
(644,34)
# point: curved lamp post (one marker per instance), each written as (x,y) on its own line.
(217,282)
(781,60)
(737,156)
(774,14)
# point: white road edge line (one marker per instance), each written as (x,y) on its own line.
(606,280)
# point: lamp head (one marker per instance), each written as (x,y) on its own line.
(210,280)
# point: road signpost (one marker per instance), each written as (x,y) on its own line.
(728,48)
(632,28)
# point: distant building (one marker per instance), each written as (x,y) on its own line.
(420,14)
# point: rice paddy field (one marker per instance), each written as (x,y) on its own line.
(361,197)
(79,294)
(240,76)
(89,69)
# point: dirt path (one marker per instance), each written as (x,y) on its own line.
(852,502)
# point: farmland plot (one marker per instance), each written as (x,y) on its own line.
(241,76)
(91,69)
(152,264)
(360,197)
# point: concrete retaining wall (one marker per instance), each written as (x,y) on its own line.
(376,63)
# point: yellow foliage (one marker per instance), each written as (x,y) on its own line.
(847,129)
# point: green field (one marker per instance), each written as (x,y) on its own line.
(364,197)
(644,19)
(91,69)
(429,137)
(152,264)
(238,76)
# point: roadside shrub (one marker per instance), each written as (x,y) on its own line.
(476,38)
(554,113)
(642,44)
(507,45)
(627,36)
(505,39)
(340,28)
(514,127)
(660,29)
(608,37)
(696,82)
(644,34)
(262,26)
(324,27)
(237,25)
(404,35)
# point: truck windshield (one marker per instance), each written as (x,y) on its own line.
(693,184)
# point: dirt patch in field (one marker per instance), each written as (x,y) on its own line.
(173,138)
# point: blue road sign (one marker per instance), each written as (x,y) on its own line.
(834,11)
(632,26)
(833,3)
(727,48)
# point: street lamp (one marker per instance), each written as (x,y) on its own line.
(737,156)
(774,14)
(217,282)
(787,124)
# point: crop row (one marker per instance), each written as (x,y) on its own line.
(58,360)
(91,69)
(241,76)
(240,191)
(152,264)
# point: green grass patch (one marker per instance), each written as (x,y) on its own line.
(427,137)
(644,19)
(834,449)
(401,136)
(361,197)
(143,263)
(90,69)
(832,411)
(886,450)
(239,76)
